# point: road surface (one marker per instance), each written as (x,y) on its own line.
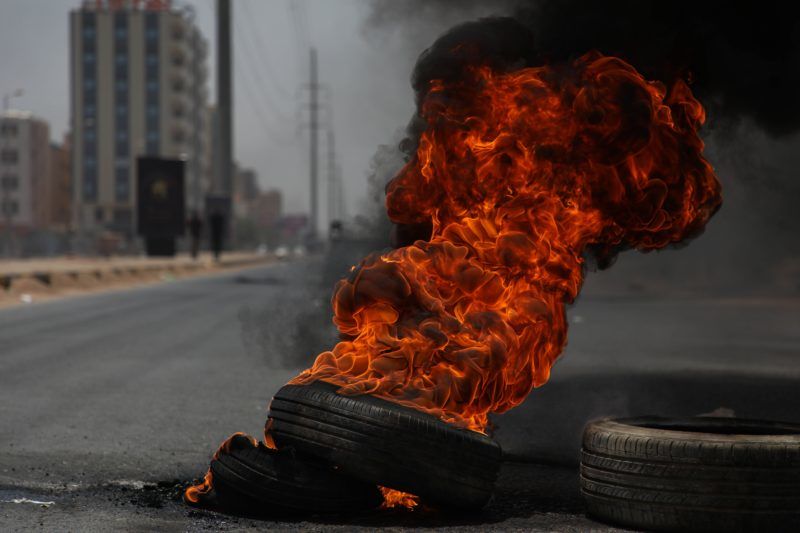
(109,403)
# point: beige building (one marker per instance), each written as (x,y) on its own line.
(24,171)
(138,87)
(59,214)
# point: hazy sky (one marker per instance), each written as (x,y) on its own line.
(367,73)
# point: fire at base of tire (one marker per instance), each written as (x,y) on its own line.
(330,453)
(252,478)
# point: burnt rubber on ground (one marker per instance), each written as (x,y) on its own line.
(696,474)
(259,480)
(387,444)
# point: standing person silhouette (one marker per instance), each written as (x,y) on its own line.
(217,222)
(195,224)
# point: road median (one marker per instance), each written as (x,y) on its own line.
(23,281)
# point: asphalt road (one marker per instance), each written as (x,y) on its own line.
(110,403)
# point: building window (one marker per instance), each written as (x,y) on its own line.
(151,49)
(10,182)
(123,220)
(88,33)
(9,156)
(10,207)
(89,57)
(9,130)
(98,214)
(89,189)
(121,186)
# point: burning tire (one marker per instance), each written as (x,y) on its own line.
(256,479)
(387,444)
(697,474)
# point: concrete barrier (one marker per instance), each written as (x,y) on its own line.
(70,276)
(28,285)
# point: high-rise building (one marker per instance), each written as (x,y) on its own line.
(24,171)
(138,87)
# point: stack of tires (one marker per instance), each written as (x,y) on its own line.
(333,451)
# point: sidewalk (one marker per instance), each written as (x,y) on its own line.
(26,280)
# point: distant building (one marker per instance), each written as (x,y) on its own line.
(25,190)
(246,186)
(293,227)
(266,207)
(246,189)
(59,209)
(138,87)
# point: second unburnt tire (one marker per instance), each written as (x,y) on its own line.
(698,474)
(387,444)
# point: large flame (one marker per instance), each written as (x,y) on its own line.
(521,175)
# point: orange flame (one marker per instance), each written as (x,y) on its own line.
(195,493)
(394,498)
(522,175)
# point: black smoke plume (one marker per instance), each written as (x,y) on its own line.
(742,59)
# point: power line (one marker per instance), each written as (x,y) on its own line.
(266,123)
(252,64)
(271,73)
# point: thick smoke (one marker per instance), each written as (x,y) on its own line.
(740,60)
(741,57)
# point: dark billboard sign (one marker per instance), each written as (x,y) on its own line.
(160,197)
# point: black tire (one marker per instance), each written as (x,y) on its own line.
(258,480)
(387,444)
(696,474)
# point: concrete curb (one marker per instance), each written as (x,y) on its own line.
(39,281)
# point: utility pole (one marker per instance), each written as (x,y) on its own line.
(332,215)
(313,145)
(341,210)
(223,203)
(224,96)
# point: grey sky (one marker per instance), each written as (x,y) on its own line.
(367,73)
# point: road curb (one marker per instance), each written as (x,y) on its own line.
(14,283)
